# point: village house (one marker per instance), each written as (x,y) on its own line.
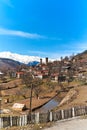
(20,74)
(39,75)
(54,77)
(1,74)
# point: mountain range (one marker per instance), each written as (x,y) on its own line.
(12,60)
(20,58)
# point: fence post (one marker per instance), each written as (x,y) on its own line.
(20,120)
(1,122)
(37,118)
(10,120)
(73,112)
(62,114)
(25,119)
(86,109)
(51,116)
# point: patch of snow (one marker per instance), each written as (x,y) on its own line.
(21,58)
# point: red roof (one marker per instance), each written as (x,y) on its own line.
(20,72)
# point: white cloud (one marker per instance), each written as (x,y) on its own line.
(19,33)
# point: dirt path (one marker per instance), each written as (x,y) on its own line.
(76,124)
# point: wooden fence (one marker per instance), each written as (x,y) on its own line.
(23,120)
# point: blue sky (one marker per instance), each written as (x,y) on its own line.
(52,28)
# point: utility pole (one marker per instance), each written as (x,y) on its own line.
(0,106)
(28,80)
(30,112)
(0,102)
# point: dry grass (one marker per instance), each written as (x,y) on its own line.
(80,98)
(21,94)
(31,126)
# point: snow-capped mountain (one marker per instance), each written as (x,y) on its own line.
(17,57)
(33,63)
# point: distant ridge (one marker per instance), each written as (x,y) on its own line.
(6,63)
(33,63)
(82,55)
(84,52)
(20,58)
(10,60)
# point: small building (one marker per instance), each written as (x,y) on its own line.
(19,107)
(54,77)
(39,76)
(20,74)
(44,67)
(1,74)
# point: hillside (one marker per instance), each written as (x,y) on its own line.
(8,63)
(82,55)
(69,95)
(75,97)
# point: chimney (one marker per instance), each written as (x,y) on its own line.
(41,61)
(46,60)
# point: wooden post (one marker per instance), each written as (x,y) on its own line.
(20,121)
(1,122)
(0,106)
(62,114)
(25,120)
(11,121)
(17,121)
(30,112)
(73,112)
(51,116)
(37,118)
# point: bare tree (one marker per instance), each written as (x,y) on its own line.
(28,81)
(34,85)
(37,87)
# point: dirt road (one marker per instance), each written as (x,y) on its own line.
(75,124)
